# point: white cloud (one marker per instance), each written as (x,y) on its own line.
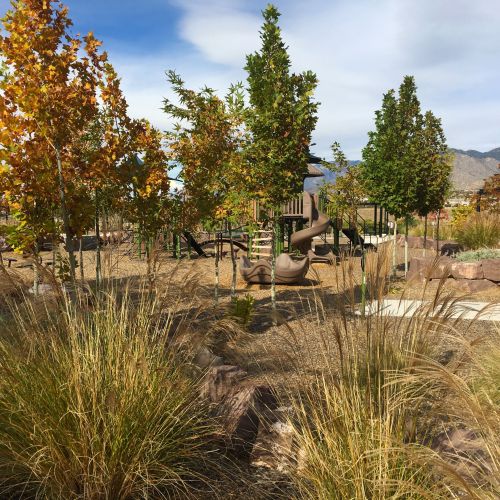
(358,48)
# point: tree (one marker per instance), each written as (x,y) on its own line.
(347,192)
(391,158)
(280,121)
(207,143)
(148,187)
(103,149)
(48,96)
(435,166)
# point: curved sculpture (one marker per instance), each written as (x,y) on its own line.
(288,271)
(302,240)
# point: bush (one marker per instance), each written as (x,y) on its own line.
(96,403)
(354,423)
(241,309)
(475,255)
(480,230)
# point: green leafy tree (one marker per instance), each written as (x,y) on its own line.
(435,166)
(280,120)
(391,159)
(347,192)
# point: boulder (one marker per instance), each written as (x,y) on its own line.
(274,446)
(450,248)
(220,381)
(429,268)
(491,269)
(473,286)
(465,450)
(241,413)
(467,270)
(205,358)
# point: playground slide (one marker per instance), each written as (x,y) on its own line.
(302,240)
(194,244)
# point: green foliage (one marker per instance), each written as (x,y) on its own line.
(241,309)
(475,255)
(280,119)
(480,230)
(433,167)
(405,166)
(96,403)
(347,192)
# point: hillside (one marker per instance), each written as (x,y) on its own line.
(469,171)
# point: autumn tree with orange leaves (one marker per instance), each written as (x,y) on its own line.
(48,100)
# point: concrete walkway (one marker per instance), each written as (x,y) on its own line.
(462,309)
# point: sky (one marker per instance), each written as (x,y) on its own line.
(358,48)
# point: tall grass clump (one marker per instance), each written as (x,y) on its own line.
(469,393)
(356,425)
(480,230)
(96,403)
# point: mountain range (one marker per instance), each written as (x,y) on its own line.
(470,168)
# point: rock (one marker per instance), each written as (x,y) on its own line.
(491,269)
(205,358)
(450,248)
(465,450)
(241,412)
(43,289)
(417,268)
(220,381)
(467,270)
(274,446)
(472,286)
(429,268)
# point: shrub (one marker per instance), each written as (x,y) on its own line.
(480,230)
(475,255)
(354,423)
(241,309)
(96,403)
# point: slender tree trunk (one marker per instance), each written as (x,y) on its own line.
(233,261)
(80,255)
(36,270)
(67,229)
(394,248)
(437,231)
(217,257)
(425,234)
(98,243)
(406,246)
(273,271)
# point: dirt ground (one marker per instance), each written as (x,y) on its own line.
(122,261)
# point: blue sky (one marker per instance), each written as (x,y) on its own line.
(358,48)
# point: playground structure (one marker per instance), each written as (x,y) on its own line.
(288,271)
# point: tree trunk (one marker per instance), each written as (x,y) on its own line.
(80,255)
(233,261)
(67,229)
(36,273)
(217,256)
(406,246)
(98,243)
(437,230)
(425,234)
(394,248)
(273,271)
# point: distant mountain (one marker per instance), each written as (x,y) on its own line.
(469,170)
(494,153)
(472,167)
